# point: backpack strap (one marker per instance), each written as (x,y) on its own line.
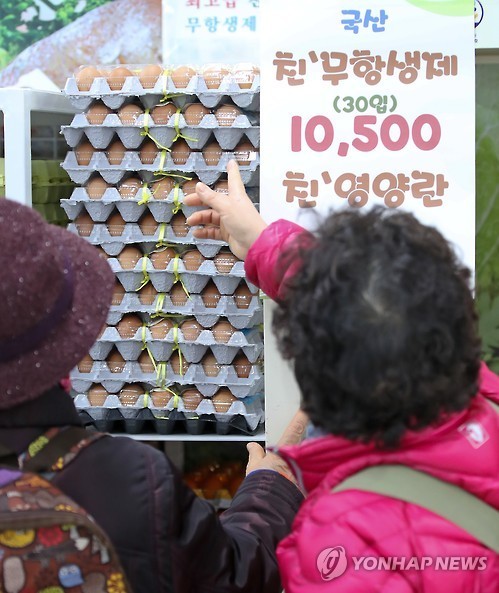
(451,502)
(50,451)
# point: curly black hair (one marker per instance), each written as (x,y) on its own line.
(380,326)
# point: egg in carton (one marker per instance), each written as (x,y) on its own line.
(116,234)
(243,309)
(115,163)
(130,340)
(114,84)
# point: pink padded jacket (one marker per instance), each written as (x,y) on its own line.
(345,542)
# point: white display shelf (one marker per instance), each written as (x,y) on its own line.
(212,438)
(17,106)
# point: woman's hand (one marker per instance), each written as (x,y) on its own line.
(232,218)
(293,434)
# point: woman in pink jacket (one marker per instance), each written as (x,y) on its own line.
(376,315)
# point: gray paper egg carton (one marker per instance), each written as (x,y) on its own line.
(251,408)
(131,162)
(132,234)
(194,307)
(194,375)
(194,280)
(132,136)
(99,210)
(250,342)
(245,98)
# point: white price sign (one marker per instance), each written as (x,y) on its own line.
(368,103)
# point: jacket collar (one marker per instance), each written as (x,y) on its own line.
(444,451)
(23,423)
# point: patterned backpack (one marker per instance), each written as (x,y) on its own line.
(49,544)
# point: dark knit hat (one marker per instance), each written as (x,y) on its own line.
(55,293)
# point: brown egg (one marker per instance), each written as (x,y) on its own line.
(222,400)
(84,224)
(192,260)
(145,362)
(222,331)
(226,114)
(161,397)
(148,224)
(222,186)
(115,362)
(211,366)
(191,330)
(96,187)
(245,153)
(97,113)
(224,261)
(129,257)
(129,114)
(128,325)
(212,153)
(85,364)
(244,74)
(180,152)
(148,152)
(191,398)
(85,77)
(160,330)
(84,153)
(161,113)
(213,75)
(115,224)
(118,293)
(128,189)
(149,75)
(242,296)
(161,189)
(182,75)
(242,366)
(130,393)
(179,365)
(97,395)
(210,295)
(116,152)
(179,226)
(189,186)
(177,295)
(194,113)
(161,259)
(116,78)
(148,294)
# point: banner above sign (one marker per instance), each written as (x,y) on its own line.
(206,31)
(369,103)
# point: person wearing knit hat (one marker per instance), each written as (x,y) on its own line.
(56,291)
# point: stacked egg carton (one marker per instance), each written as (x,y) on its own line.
(183,345)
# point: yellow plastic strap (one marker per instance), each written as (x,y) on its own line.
(177,204)
(175,400)
(176,124)
(161,236)
(145,273)
(145,195)
(160,302)
(162,160)
(143,335)
(176,275)
(146,399)
(176,348)
(146,120)
(161,373)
